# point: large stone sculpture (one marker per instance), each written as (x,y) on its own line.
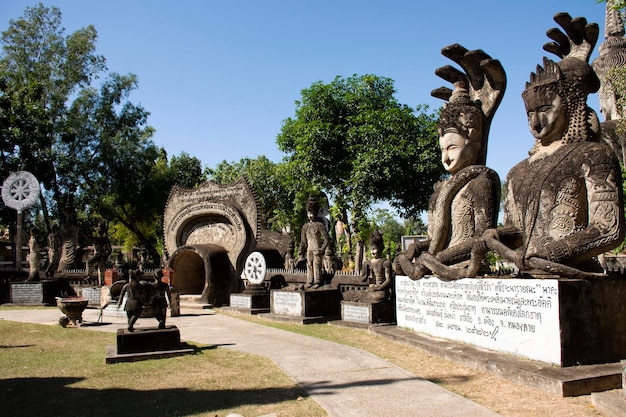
(609,67)
(69,235)
(54,250)
(612,55)
(564,203)
(313,243)
(466,204)
(34,256)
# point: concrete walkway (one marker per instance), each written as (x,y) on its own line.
(345,381)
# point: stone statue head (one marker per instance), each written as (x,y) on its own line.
(376,244)
(460,129)
(556,95)
(312,208)
(556,102)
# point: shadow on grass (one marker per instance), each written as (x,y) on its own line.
(330,388)
(55,396)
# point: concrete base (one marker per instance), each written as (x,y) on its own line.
(558,321)
(146,343)
(148,339)
(35,293)
(610,404)
(566,382)
(372,313)
(249,303)
(112,356)
(322,302)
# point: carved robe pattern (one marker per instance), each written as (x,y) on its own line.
(462,208)
(567,205)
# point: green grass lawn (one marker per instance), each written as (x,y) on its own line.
(49,370)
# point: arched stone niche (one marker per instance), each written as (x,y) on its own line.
(209,231)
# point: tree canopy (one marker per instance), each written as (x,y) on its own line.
(86,144)
(355,141)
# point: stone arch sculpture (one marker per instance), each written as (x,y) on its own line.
(209,232)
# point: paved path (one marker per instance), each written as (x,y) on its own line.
(345,381)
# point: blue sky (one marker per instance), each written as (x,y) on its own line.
(219,77)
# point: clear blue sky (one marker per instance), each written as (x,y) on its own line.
(219,77)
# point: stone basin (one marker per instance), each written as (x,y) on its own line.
(73,308)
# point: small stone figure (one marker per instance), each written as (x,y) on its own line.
(160,298)
(313,242)
(34,257)
(69,235)
(464,205)
(564,203)
(378,272)
(134,304)
(54,250)
(102,251)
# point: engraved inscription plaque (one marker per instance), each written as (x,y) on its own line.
(240,301)
(518,316)
(287,302)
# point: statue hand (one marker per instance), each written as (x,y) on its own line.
(484,77)
(578,40)
(491,233)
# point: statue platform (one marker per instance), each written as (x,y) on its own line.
(367,313)
(304,306)
(36,293)
(147,343)
(559,321)
(249,303)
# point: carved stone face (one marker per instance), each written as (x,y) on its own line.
(547,116)
(456,153)
(375,250)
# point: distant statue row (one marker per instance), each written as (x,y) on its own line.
(563,204)
(62,252)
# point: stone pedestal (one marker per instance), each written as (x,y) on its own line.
(146,343)
(250,303)
(559,321)
(43,292)
(147,339)
(367,313)
(306,306)
(92,294)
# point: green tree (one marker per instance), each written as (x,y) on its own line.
(275,189)
(353,140)
(87,145)
(391,229)
(186,170)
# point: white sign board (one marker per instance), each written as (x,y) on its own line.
(519,316)
(288,303)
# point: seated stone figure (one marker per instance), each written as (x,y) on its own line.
(464,205)
(564,203)
(377,272)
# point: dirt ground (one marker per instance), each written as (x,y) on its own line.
(500,395)
(507,398)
